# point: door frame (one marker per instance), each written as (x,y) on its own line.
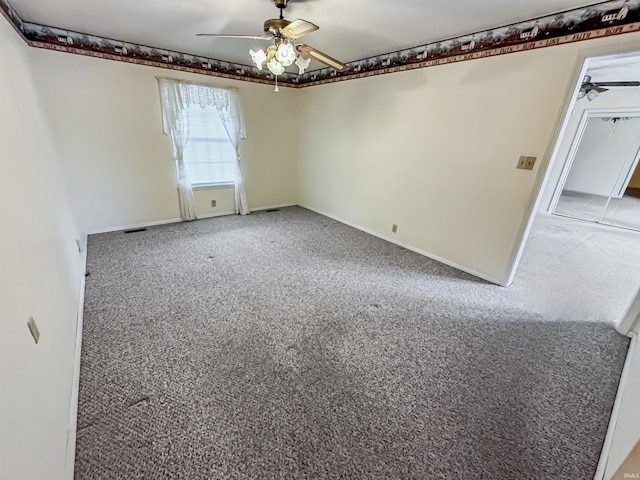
(575,145)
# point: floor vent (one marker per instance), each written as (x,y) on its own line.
(272,210)
(134,230)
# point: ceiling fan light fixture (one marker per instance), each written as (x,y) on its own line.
(302,64)
(285,54)
(258,58)
(592,94)
(275,67)
(271,53)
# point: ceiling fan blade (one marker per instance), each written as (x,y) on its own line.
(298,28)
(618,84)
(223,35)
(599,89)
(323,57)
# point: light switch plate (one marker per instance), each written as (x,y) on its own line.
(531,161)
(33,328)
(526,163)
(522,162)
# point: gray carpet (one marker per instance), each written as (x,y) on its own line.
(575,270)
(286,345)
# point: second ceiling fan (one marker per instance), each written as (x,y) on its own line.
(591,89)
(282,53)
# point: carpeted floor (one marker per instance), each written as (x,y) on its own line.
(286,345)
(576,270)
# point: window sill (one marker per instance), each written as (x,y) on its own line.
(208,186)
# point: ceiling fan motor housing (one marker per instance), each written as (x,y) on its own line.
(275,26)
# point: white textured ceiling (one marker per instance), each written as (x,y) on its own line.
(349,29)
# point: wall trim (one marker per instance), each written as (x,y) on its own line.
(631,321)
(75,379)
(215,214)
(424,253)
(119,228)
(614,17)
(256,209)
(613,421)
(280,205)
(133,225)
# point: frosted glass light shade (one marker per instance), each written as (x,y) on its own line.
(592,95)
(285,54)
(302,63)
(258,58)
(275,67)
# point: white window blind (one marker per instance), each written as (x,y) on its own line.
(210,157)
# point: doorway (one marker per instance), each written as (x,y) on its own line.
(601,179)
(580,248)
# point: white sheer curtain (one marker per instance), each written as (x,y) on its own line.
(227,103)
(176,125)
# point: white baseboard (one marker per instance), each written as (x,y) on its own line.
(216,214)
(282,205)
(75,380)
(408,247)
(613,421)
(256,209)
(133,225)
(176,220)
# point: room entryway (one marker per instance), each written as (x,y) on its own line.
(584,228)
(601,179)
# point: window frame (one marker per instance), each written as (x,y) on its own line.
(209,184)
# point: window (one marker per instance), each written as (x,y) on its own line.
(209,157)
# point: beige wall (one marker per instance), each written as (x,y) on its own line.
(434,151)
(106,121)
(39,275)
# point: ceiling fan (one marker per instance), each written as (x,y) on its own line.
(282,53)
(592,89)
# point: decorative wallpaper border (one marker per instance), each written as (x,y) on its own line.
(605,19)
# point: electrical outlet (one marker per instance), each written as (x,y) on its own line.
(33,328)
(394,228)
(213,203)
